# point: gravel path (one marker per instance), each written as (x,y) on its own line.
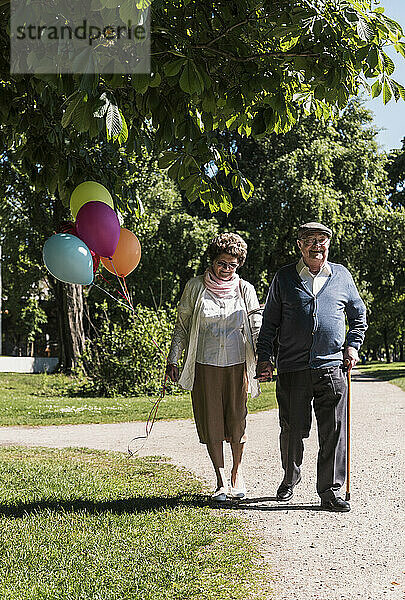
(315,555)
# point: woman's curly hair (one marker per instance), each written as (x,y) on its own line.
(230,243)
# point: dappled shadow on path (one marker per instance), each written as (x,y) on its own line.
(378,375)
(257,504)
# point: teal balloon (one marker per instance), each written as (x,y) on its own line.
(68,259)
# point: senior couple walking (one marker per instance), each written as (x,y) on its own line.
(302,333)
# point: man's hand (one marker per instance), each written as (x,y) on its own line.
(350,357)
(173,372)
(264,370)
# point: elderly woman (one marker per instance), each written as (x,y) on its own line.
(214,328)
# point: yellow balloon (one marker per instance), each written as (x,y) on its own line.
(86,192)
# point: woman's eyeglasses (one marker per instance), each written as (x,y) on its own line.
(226,265)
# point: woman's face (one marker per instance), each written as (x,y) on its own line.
(225,265)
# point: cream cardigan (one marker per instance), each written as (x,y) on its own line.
(185,335)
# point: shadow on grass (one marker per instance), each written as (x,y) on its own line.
(124,506)
(144,505)
(255,504)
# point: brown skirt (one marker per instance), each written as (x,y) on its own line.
(219,398)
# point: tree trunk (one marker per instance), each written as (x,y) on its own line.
(387,347)
(69,306)
(401,350)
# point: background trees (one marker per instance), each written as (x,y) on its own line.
(242,104)
(332,172)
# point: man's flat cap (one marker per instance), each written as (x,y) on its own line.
(313,226)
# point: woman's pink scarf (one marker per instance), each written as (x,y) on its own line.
(220,287)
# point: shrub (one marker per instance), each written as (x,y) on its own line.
(123,360)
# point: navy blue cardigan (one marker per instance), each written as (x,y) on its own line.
(311,330)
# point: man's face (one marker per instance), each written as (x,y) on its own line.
(314,248)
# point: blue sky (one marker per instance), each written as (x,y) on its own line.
(392,115)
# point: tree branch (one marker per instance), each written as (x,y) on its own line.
(235,25)
(253,56)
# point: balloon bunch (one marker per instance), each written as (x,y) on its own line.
(73,255)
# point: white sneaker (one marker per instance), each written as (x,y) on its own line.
(220,494)
(239,493)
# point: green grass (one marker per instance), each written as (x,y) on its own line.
(89,525)
(27,399)
(392,372)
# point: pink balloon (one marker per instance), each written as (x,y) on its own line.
(98,226)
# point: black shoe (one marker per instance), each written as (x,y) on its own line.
(285,492)
(335,505)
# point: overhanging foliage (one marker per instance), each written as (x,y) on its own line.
(248,66)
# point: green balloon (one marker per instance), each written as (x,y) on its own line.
(89,191)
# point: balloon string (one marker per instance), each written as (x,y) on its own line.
(119,279)
(149,423)
(153,413)
(113,297)
(131,308)
(106,280)
(126,289)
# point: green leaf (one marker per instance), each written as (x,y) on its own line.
(400,88)
(129,11)
(387,94)
(104,102)
(235,180)
(226,204)
(393,27)
(143,4)
(155,81)
(362,53)
(208,104)
(167,159)
(140,82)
(72,107)
(343,97)
(82,117)
(246,188)
(173,67)
(372,58)
(400,47)
(94,128)
(376,89)
(191,81)
(230,121)
(289,42)
(365,30)
(81,61)
(123,136)
(190,182)
(259,124)
(389,66)
(113,122)
(174,169)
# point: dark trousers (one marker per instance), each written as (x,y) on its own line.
(327,389)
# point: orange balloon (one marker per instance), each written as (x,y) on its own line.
(127,255)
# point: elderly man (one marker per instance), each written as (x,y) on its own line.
(304,318)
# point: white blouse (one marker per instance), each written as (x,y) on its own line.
(221,336)
(187,329)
